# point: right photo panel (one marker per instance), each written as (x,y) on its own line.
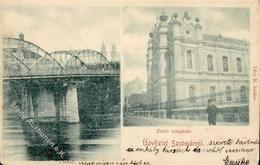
(186,66)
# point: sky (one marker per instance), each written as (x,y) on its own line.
(83,27)
(64,27)
(138,22)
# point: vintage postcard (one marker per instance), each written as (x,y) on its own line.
(129,82)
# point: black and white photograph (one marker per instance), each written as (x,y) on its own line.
(192,67)
(61,82)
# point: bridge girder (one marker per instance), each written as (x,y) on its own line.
(33,60)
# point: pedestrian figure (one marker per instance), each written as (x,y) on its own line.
(212,112)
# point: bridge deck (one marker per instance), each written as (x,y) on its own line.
(60,76)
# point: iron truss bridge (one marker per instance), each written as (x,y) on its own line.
(25,60)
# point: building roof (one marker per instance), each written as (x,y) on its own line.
(220,38)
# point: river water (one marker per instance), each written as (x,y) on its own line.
(76,141)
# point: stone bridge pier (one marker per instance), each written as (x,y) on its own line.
(46,101)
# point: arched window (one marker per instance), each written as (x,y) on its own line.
(191,92)
(210,62)
(225,63)
(212,93)
(228,93)
(189,60)
(239,67)
(243,93)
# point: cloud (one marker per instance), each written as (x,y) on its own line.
(237,34)
(137,20)
(227,21)
(64,27)
(12,20)
(212,17)
(134,49)
(131,73)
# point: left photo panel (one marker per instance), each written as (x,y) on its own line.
(61,82)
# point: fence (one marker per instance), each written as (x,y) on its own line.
(233,107)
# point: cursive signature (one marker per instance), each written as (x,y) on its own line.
(241,161)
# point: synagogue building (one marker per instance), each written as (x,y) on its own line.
(186,67)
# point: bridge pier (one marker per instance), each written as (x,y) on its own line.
(72,114)
(27,103)
(45,104)
(50,102)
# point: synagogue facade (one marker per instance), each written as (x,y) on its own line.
(186,67)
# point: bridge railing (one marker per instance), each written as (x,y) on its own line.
(15,70)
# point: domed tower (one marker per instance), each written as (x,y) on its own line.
(103,50)
(163,48)
(149,62)
(163,30)
(198,29)
(173,52)
(175,25)
(114,53)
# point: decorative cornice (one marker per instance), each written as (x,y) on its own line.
(182,39)
(199,80)
(209,80)
(211,73)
